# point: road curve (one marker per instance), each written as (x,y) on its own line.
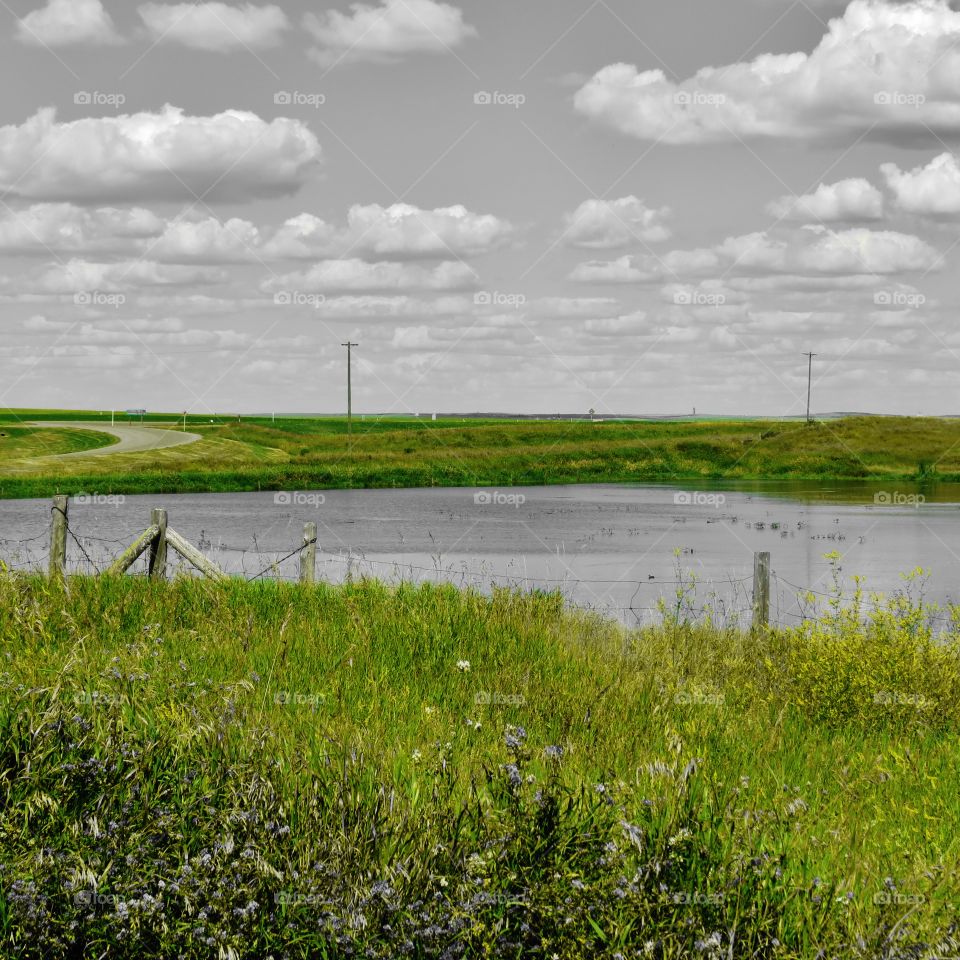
(132,439)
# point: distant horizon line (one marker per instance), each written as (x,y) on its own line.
(471,415)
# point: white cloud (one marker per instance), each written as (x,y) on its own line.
(850,200)
(83,276)
(885,69)
(65,22)
(215,26)
(809,251)
(406,231)
(233,155)
(373,233)
(374,307)
(630,323)
(64,228)
(400,231)
(575,306)
(386,32)
(608,224)
(206,241)
(933,190)
(332,276)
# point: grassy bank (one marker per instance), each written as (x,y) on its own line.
(311,454)
(266,770)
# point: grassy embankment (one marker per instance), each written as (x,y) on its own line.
(307,454)
(267,770)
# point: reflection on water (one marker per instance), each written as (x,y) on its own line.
(618,549)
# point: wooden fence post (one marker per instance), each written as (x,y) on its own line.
(308,555)
(157,564)
(761,590)
(58,536)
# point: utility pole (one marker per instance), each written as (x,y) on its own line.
(349,347)
(809,357)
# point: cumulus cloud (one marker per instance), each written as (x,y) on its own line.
(608,224)
(84,276)
(372,233)
(397,232)
(168,155)
(45,228)
(630,323)
(206,241)
(847,200)
(810,251)
(215,26)
(887,70)
(932,190)
(386,32)
(355,275)
(63,23)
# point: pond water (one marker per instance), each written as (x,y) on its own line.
(619,549)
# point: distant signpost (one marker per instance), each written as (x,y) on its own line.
(136,413)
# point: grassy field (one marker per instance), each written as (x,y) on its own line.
(306,454)
(196,770)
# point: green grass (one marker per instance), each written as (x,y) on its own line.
(306,454)
(368,765)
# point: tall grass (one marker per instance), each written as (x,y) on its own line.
(305,454)
(201,770)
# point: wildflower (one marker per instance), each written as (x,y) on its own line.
(429,711)
(416,756)
(553,752)
(463,666)
(679,837)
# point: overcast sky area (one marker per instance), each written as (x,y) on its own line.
(540,206)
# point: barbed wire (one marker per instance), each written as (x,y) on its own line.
(25,556)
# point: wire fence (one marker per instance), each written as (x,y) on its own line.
(725,600)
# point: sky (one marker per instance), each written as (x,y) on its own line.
(546,207)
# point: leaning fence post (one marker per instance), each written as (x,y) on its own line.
(157,564)
(761,589)
(58,536)
(308,554)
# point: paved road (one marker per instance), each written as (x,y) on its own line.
(132,439)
